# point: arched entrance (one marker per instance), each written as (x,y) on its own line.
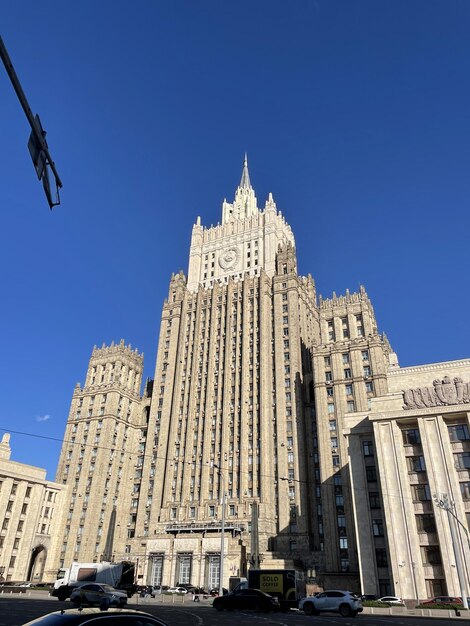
(36,564)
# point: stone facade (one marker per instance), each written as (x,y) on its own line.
(102,454)
(31,516)
(263,399)
(405,460)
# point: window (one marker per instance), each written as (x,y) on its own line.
(331,407)
(336,460)
(327,360)
(332,424)
(416,463)
(348,390)
(329,392)
(458,432)
(368,448)
(369,386)
(462,460)
(411,436)
(374,500)
(465,490)
(381,557)
(367,370)
(328,377)
(420,493)
(343,543)
(211,510)
(371,474)
(431,555)
(365,355)
(426,523)
(347,373)
(351,406)
(377,528)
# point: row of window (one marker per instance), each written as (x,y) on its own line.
(347,373)
(343,327)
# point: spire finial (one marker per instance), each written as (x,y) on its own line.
(245,181)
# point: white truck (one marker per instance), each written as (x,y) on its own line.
(119,575)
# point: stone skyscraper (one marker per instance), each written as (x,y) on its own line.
(254,376)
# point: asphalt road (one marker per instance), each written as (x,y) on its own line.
(16,611)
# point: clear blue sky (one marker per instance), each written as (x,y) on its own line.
(355,114)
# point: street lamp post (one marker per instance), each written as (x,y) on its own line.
(222,533)
(443,503)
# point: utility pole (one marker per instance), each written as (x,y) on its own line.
(37,143)
(443,503)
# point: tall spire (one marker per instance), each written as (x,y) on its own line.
(245,181)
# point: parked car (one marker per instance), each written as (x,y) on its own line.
(392,600)
(253,599)
(95,617)
(150,590)
(189,588)
(179,590)
(215,591)
(345,603)
(98,594)
(443,600)
(368,597)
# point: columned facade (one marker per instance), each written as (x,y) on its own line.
(286,407)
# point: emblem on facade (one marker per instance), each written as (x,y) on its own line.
(229,258)
(443,392)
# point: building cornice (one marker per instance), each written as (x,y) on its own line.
(432,367)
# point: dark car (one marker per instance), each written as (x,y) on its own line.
(98,594)
(443,600)
(215,591)
(253,599)
(95,617)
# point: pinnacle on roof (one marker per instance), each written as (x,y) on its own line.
(245,181)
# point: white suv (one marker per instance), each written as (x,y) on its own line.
(345,603)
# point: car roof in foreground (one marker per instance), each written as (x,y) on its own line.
(77,616)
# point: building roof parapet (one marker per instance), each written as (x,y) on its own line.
(347,298)
(402,371)
(118,349)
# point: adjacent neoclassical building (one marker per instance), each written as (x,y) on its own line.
(31,517)
(409,459)
(262,397)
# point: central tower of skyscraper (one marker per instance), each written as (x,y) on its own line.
(232,384)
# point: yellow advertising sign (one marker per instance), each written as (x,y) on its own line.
(271,582)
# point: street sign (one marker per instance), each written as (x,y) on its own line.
(36,148)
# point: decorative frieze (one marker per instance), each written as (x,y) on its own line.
(443,392)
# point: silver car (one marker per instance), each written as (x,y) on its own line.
(345,603)
(97,594)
